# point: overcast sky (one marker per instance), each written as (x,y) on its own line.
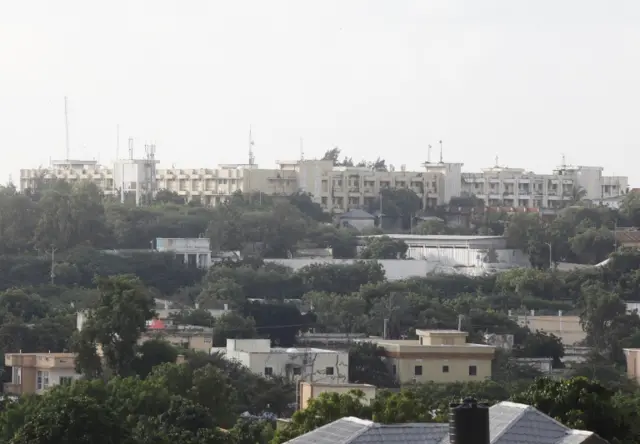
(523,80)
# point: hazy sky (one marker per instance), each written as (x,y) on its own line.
(524,80)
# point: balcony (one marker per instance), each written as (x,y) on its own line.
(11,388)
(45,361)
(19,360)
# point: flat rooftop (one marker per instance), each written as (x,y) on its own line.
(443,237)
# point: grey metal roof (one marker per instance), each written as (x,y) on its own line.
(356,213)
(510,423)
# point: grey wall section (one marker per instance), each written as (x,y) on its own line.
(395,269)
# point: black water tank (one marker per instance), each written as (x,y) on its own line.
(469,423)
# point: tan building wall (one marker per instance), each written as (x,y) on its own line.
(311,390)
(633,363)
(567,328)
(438,356)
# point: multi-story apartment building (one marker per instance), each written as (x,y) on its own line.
(339,188)
(37,372)
(516,187)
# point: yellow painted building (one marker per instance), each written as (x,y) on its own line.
(438,356)
(310,390)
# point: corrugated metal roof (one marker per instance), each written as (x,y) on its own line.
(356,214)
(510,423)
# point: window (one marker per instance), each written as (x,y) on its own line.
(445,369)
(42,380)
(394,369)
(418,370)
(473,370)
(17,375)
(66,380)
(297,371)
(268,371)
(328,371)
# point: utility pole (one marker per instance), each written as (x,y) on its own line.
(385,329)
(460,322)
(53,262)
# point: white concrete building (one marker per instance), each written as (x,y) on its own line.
(516,187)
(340,189)
(196,251)
(299,364)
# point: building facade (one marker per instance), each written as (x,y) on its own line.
(311,390)
(439,356)
(295,364)
(338,188)
(37,372)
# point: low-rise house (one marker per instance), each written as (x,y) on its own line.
(438,356)
(37,372)
(296,364)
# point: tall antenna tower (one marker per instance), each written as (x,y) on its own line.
(252,159)
(301,149)
(131,148)
(564,161)
(441,151)
(117,141)
(150,171)
(66,128)
(429,154)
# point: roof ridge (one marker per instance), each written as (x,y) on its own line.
(513,420)
(370,425)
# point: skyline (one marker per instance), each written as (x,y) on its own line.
(526,82)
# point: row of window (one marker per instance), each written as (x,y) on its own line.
(42,380)
(268,371)
(417,371)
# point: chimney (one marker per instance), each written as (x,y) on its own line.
(469,423)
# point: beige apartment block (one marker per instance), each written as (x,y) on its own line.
(339,188)
(311,390)
(438,356)
(37,372)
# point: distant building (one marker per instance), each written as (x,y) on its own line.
(311,390)
(194,251)
(296,364)
(358,219)
(632,356)
(438,356)
(37,372)
(339,188)
(627,238)
(567,328)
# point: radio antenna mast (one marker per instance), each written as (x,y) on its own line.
(251,156)
(301,149)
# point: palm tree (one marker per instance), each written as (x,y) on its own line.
(576,197)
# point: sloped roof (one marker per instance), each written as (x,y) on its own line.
(630,236)
(356,214)
(510,423)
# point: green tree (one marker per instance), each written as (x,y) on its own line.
(384,247)
(326,408)
(578,403)
(116,325)
(71,419)
(233,326)
(543,345)
(367,367)
(152,353)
